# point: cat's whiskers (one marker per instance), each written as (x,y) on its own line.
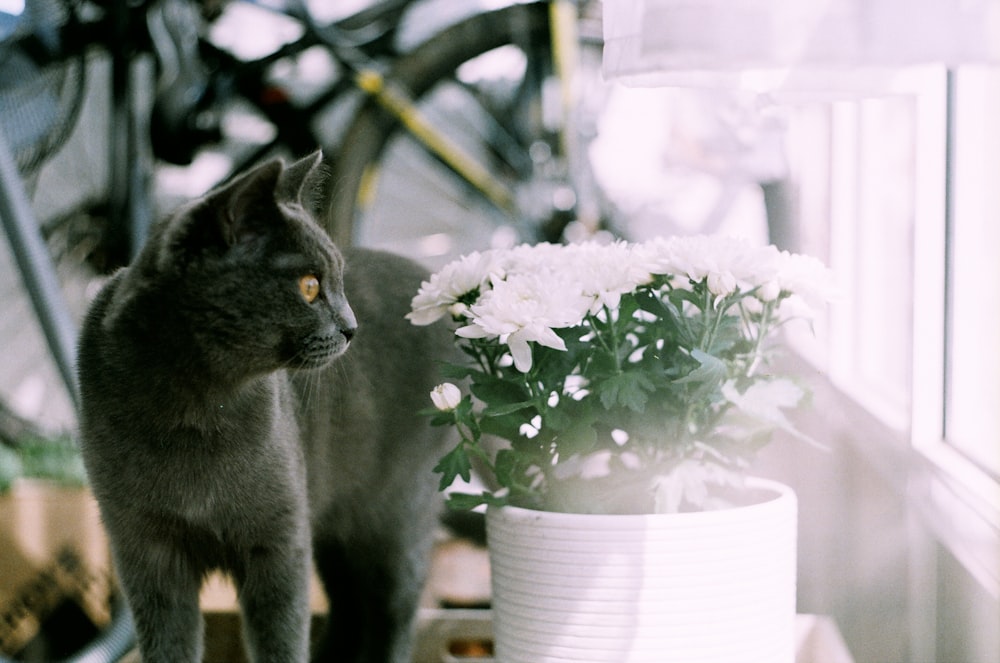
(308,378)
(312,386)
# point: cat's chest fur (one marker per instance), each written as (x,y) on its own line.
(238,452)
(199,462)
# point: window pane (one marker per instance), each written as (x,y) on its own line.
(974,407)
(872,194)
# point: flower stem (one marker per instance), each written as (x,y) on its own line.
(710,332)
(601,333)
(762,331)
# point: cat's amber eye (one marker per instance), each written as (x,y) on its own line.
(309,287)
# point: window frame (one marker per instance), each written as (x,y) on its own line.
(954,498)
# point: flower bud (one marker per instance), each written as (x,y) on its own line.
(458,310)
(721,284)
(446,397)
(769,291)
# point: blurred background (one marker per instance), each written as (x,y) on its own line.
(780,125)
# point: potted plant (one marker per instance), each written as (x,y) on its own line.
(626,386)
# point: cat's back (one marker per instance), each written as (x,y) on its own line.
(395,355)
(391,364)
(380,287)
(110,383)
(98,354)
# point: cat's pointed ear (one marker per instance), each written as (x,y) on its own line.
(302,182)
(230,215)
(246,202)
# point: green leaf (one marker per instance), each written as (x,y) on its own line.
(457,372)
(464,410)
(505,466)
(570,425)
(503,426)
(628,306)
(510,408)
(439,418)
(495,392)
(630,389)
(559,418)
(707,377)
(452,465)
(580,437)
(650,303)
(469,501)
(726,336)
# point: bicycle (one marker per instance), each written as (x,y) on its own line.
(511,147)
(507,85)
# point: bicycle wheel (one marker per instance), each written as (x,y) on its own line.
(488,85)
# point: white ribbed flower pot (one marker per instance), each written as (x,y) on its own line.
(714,586)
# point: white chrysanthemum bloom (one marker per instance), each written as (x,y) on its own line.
(606,272)
(528,258)
(655,256)
(728,264)
(439,295)
(806,277)
(524,309)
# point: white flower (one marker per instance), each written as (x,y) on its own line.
(446,396)
(807,277)
(441,293)
(727,264)
(769,291)
(721,283)
(524,309)
(606,272)
(656,256)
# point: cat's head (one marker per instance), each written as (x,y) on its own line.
(248,275)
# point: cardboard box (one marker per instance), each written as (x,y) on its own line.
(53,554)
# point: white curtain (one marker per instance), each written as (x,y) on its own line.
(792,45)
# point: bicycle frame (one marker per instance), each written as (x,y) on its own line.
(398,102)
(366,72)
(37,269)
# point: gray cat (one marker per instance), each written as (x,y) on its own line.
(250,404)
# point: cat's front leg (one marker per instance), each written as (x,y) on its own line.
(273,590)
(161,588)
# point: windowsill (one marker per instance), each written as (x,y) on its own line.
(957,504)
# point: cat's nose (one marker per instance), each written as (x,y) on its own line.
(344,319)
